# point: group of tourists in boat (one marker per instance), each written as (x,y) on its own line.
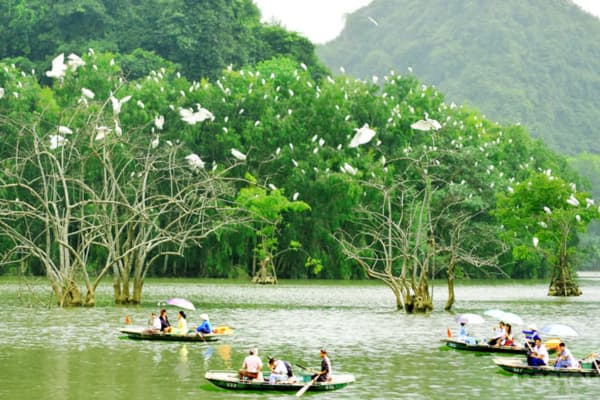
(537,351)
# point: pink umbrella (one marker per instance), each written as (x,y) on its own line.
(181,303)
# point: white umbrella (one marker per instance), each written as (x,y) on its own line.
(558,330)
(504,316)
(470,319)
(181,303)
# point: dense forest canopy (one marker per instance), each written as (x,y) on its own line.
(534,62)
(140,157)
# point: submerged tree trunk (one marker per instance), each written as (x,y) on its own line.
(563,282)
(263,276)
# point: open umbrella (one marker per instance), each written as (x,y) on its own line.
(504,316)
(181,303)
(558,330)
(470,319)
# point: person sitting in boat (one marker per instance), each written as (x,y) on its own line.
(498,334)
(251,366)
(205,326)
(538,356)
(182,327)
(165,325)
(462,332)
(281,370)
(564,358)
(154,324)
(507,337)
(595,359)
(325,373)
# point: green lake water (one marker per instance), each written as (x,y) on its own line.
(51,353)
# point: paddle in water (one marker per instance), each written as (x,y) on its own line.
(305,387)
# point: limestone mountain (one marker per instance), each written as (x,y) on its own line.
(536,62)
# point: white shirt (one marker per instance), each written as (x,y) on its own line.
(566,354)
(280,368)
(541,351)
(156,323)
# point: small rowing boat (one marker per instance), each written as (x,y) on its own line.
(482,347)
(519,366)
(145,334)
(230,380)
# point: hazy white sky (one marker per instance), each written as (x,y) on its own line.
(323,20)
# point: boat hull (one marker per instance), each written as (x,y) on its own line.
(230,380)
(483,348)
(520,367)
(142,334)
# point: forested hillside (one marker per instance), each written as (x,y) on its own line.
(202,37)
(536,62)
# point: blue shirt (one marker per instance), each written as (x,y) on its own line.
(204,327)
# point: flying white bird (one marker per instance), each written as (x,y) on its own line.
(373,21)
(363,135)
(57,141)
(194,162)
(117,103)
(426,125)
(535,241)
(189,116)
(238,154)
(58,67)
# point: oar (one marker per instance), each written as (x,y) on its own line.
(305,368)
(305,387)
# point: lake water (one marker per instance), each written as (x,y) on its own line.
(51,353)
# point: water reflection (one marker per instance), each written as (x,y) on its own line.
(78,353)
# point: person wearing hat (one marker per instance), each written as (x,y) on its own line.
(205,326)
(251,366)
(531,333)
(324,374)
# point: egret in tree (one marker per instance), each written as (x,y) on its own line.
(426,125)
(64,130)
(349,169)
(295,196)
(57,141)
(155,142)
(87,93)
(101,132)
(536,241)
(194,162)
(363,135)
(573,201)
(238,154)
(74,62)
(159,122)
(58,67)
(547,210)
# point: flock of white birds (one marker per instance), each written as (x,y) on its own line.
(191,116)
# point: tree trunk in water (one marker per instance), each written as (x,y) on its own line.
(90,298)
(450,301)
(71,296)
(262,276)
(563,284)
(138,285)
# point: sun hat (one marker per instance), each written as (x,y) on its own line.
(204,317)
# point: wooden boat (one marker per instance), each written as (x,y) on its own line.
(458,344)
(230,380)
(145,334)
(519,366)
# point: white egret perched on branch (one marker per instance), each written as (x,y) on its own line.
(159,122)
(363,135)
(64,130)
(547,210)
(573,201)
(238,154)
(194,162)
(536,241)
(87,93)
(426,125)
(58,67)
(74,61)
(349,169)
(57,141)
